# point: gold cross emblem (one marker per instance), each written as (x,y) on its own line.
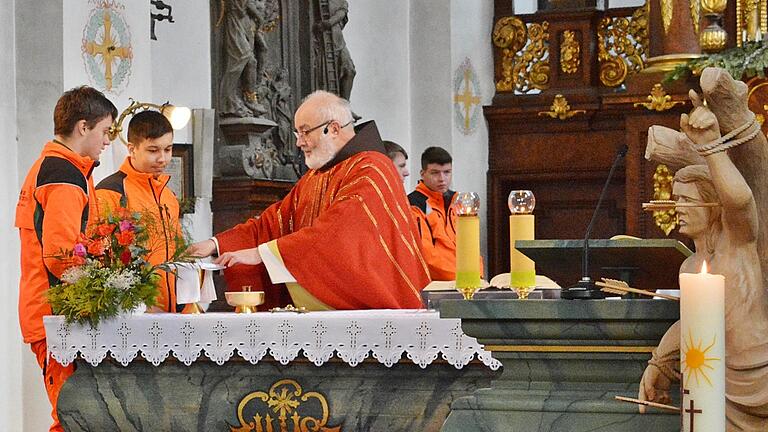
(467,98)
(108,49)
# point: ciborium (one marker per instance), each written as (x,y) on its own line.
(245,301)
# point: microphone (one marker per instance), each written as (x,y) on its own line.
(585,288)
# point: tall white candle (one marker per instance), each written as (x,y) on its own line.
(702,351)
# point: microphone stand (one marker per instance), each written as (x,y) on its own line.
(585,288)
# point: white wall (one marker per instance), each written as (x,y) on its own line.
(10,338)
(378,41)
(471,23)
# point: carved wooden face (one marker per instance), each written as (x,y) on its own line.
(693,221)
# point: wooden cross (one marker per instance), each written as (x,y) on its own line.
(691,410)
(467,97)
(108,49)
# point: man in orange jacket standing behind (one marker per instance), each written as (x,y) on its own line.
(55,205)
(141,185)
(431,208)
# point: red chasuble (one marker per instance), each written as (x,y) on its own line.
(344,231)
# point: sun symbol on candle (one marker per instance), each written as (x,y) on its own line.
(696,363)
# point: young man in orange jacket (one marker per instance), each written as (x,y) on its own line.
(431,208)
(141,185)
(55,206)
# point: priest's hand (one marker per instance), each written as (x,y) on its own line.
(654,387)
(243,256)
(202,249)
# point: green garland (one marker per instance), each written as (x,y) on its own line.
(741,62)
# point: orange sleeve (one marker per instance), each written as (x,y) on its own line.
(63,206)
(108,200)
(441,261)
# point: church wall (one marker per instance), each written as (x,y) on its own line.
(431,106)
(470,25)
(378,40)
(39,82)
(11,360)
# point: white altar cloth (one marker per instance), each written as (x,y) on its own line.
(351,335)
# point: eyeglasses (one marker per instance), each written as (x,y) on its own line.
(303,134)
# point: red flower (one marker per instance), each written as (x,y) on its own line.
(78,260)
(124,238)
(105,229)
(96,248)
(123,213)
(125,257)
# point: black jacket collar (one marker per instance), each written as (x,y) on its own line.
(366,138)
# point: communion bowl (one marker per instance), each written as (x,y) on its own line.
(245,301)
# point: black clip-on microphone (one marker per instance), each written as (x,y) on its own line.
(585,289)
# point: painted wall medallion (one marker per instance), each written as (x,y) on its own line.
(107,50)
(466,98)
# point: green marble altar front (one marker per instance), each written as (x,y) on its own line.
(564,361)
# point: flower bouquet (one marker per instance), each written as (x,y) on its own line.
(109,273)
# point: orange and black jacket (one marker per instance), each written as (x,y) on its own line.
(151,196)
(54,208)
(436,221)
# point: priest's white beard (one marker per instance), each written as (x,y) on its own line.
(320,155)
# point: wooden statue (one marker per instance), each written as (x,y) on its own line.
(727,169)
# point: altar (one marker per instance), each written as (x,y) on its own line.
(329,371)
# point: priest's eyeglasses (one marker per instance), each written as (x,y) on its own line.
(302,134)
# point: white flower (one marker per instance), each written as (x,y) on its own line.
(74,274)
(123,280)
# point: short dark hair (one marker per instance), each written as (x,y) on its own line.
(146,125)
(81,103)
(435,155)
(392,148)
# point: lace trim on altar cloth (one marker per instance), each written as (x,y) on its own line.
(352,336)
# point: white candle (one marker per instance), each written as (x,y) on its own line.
(702,351)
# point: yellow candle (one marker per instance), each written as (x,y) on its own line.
(468,252)
(702,351)
(522,270)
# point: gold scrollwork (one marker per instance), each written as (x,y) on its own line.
(560,109)
(524,54)
(658,100)
(570,52)
(662,190)
(622,43)
(695,6)
(667,9)
(284,399)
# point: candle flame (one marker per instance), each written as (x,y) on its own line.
(704,268)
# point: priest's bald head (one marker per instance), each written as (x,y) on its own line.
(322,125)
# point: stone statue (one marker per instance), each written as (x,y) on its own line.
(728,237)
(282,114)
(331,27)
(244,53)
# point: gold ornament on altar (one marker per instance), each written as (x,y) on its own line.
(622,43)
(524,54)
(666,219)
(245,301)
(658,100)
(560,109)
(713,38)
(287,405)
(570,52)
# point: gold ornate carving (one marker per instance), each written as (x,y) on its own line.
(662,190)
(570,52)
(658,100)
(667,9)
(524,54)
(560,109)
(284,399)
(621,46)
(695,6)
(713,6)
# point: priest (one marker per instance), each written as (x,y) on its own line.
(343,237)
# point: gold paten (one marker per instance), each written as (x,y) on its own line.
(666,219)
(622,43)
(667,9)
(570,52)
(280,409)
(695,6)
(560,109)
(658,100)
(524,54)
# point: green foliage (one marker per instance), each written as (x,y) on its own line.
(741,62)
